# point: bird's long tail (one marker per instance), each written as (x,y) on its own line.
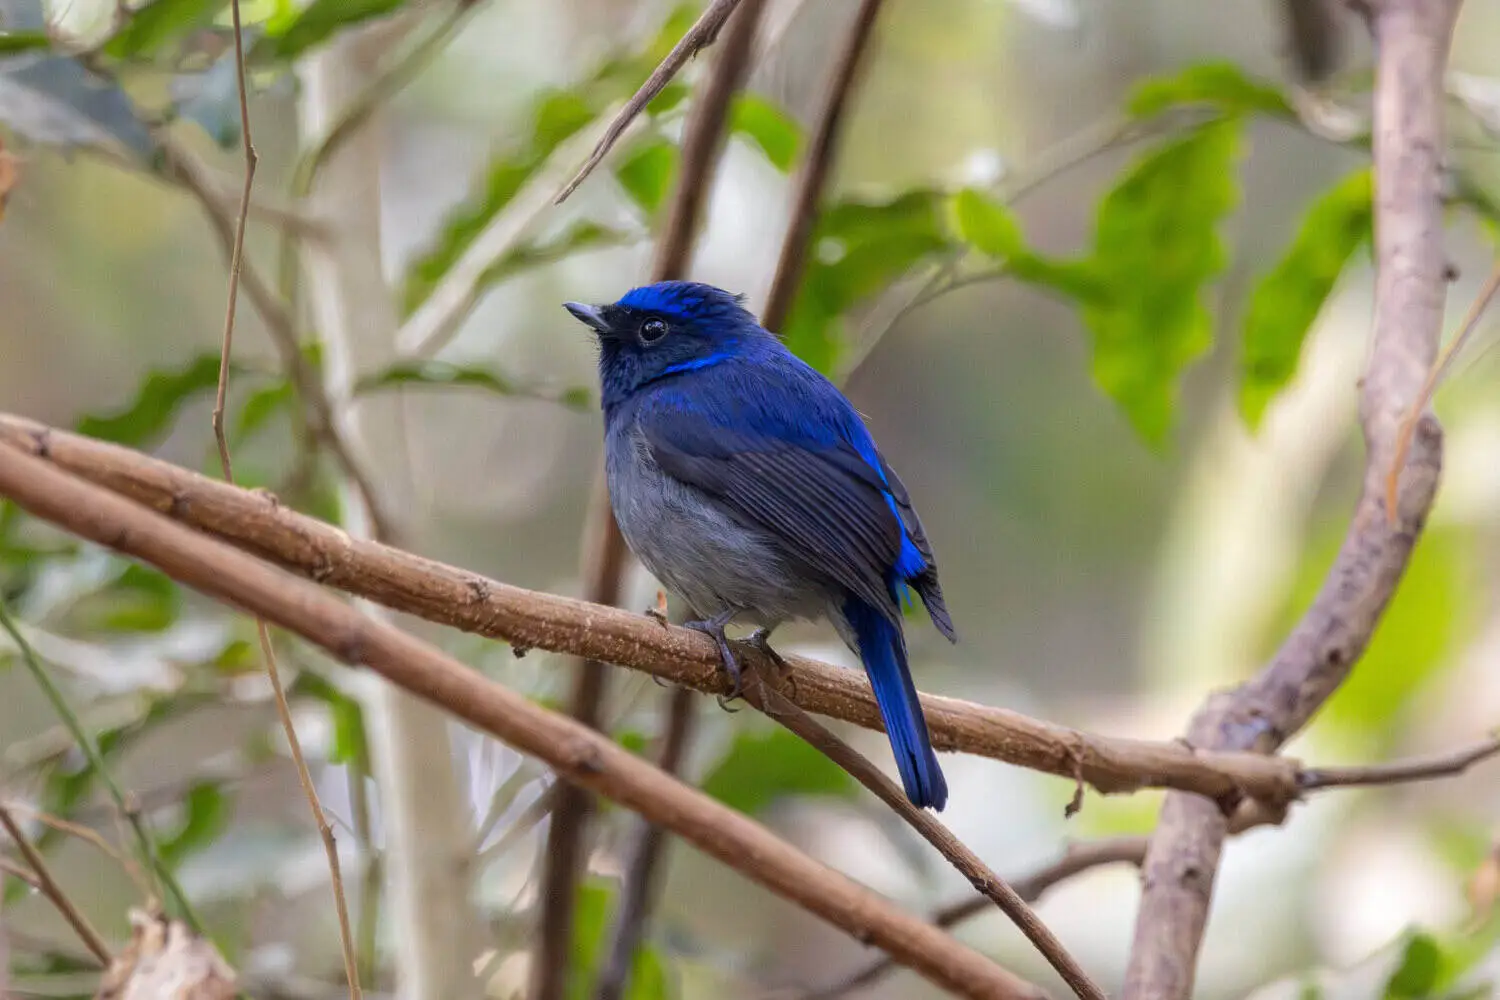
(883,650)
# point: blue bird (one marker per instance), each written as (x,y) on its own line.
(749,486)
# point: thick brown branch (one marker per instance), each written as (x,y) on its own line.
(1412,41)
(529,619)
(812,176)
(577,753)
(605,554)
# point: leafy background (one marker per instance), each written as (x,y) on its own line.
(1120,285)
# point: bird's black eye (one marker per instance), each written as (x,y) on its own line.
(653,330)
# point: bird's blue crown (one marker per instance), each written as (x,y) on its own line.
(688,302)
(657,331)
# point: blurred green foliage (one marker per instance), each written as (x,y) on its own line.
(1287,301)
(1141,284)
(763,765)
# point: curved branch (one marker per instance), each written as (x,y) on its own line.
(579,754)
(1412,39)
(527,619)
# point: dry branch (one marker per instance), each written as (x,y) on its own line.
(526,619)
(576,752)
(1412,41)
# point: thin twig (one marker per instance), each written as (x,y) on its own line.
(49,888)
(605,556)
(698,37)
(639,884)
(184,166)
(1439,369)
(990,885)
(86,743)
(1411,43)
(268,654)
(1400,772)
(812,175)
(91,836)
(1077,859)
(20,872)
(576,752)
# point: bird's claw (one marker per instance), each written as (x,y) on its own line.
(761,640)
(714,629)
(657,615)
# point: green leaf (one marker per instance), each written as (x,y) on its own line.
(13,42)
(1220,85)
(556,115)
(768,127)
(348,718)
(318,22)
(1156,247)
(763,765)
(137,600)
(578,237)
(56,101)
(260,406)
(208,811)
(1418,971)
(647,173)
(442,373)
(591,922)
(1287,301)
(986,225)
(859,248)
(156,403)
(150,29)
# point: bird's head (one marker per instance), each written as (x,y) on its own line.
(665,329)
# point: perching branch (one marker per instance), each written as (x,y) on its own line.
(527,619)
(49,888)
(605,555)
(995,889)
(1412,39)
(812,175)
(698,37)
(577,753)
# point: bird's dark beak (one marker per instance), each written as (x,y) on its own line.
(590,316)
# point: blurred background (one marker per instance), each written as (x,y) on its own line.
(1109,558)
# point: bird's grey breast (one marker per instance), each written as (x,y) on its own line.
(695,545)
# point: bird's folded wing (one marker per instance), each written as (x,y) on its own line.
(819,495)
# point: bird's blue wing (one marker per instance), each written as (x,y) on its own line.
(784,461)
